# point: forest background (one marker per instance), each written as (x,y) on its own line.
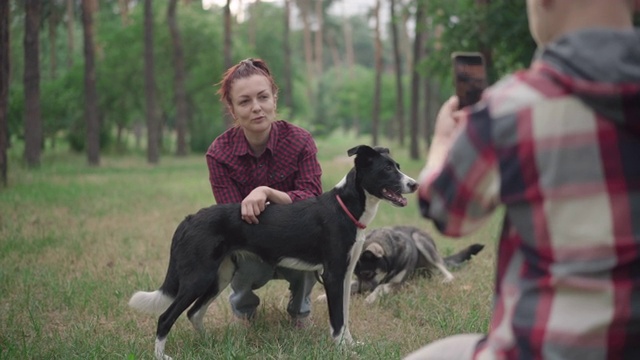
(107,108)
(94,75)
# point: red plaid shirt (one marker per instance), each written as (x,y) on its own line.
(568,175)
(288,164)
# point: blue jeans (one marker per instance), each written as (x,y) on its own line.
(252,274)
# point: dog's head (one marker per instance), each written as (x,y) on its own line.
(372,263)
(380,175)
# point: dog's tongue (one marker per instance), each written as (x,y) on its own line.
(396,199)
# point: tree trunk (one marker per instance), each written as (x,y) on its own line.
(398,67)
(179,80)
(319,39)
(426,111)
(123,5)
(348,44)
(335,53)
(228,41)
(227,53)
(253,22)
(308,47)
(405,42)
(4,91)
(415,82)
(375,119)
(33,119)
(485,48)
(92,119)
(53,23)
(153,123)
(288,76)
(70,44)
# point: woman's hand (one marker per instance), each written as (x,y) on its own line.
(258,199)
(254,204)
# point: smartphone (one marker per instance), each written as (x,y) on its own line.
(470,76)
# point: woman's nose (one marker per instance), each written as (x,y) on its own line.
(255,105)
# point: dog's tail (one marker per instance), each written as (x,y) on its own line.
(463,255)
(156,302)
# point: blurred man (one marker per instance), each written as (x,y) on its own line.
(559,146)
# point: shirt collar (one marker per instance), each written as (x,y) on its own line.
(242,148)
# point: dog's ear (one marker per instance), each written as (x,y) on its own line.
(359,148)
(382,150)
(364,154)
(355,150)
(375,249)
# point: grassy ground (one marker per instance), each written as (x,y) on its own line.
(76,242)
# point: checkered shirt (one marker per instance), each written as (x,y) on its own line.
(289,164)
(568,179)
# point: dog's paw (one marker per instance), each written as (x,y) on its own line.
(371,298)
(322,298)
(162,356)
(448,279)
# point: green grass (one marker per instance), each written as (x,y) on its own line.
(77,241)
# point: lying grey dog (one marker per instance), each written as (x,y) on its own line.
(391,255)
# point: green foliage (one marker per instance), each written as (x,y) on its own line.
(62,101)
(337,99)
(120,72)
(363,46)
(346,99)
(15,111)
(501,27)
(77,136)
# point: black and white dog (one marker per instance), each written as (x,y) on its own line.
(391,255)
(322,233)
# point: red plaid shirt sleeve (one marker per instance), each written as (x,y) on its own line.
(465,192)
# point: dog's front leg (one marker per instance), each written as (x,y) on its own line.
(159,350)
(354,255)
(333,287)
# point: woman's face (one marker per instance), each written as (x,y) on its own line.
(253,103)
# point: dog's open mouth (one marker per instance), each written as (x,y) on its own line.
(394,197)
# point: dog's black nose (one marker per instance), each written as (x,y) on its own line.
(413,186)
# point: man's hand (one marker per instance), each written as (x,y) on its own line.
(448,122)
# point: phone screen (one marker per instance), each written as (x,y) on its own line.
(469,76)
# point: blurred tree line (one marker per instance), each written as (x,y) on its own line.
(127,75)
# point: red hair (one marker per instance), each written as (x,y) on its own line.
(241,70)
